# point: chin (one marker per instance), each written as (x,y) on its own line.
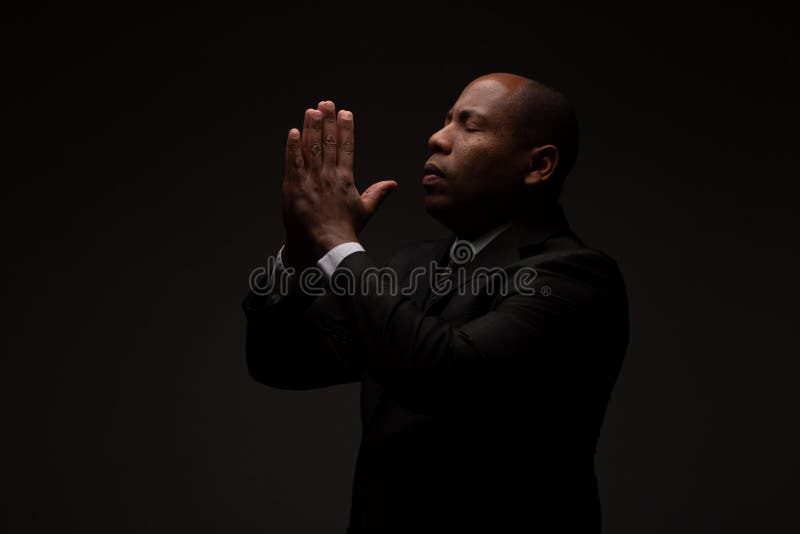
(436,203)
(439,207)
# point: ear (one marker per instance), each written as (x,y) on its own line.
(542,162)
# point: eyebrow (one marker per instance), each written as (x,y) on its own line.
(465,114)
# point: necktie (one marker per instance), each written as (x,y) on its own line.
(440,282)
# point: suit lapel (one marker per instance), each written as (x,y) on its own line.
(525,237)
(502,250)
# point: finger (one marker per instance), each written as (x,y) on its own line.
(304,133)
(375,194)
(345,137)
(328,133)
(314,152)
(294,156)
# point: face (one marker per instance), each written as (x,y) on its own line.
(476,168)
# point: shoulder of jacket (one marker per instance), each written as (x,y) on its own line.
(581,263)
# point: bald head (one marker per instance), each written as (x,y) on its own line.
(511,82)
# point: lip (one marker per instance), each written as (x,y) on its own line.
(432,174)
(430,179)
(431,168)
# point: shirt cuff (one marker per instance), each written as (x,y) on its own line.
(334,256)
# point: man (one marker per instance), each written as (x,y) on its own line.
(481,408)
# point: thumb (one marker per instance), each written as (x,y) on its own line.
(376,193)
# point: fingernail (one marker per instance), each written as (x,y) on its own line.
(346,115)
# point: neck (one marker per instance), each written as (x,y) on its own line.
(471,230)
(472,223)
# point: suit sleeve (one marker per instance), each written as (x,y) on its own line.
(525,342)
(296,340)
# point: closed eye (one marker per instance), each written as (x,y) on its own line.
(465,117)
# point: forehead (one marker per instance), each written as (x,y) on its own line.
(486,96)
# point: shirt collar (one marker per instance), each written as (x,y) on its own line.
(484,239)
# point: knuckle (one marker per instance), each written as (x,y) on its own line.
(316,149)
(298,162)
(345,179)
(348,146)
(330,140)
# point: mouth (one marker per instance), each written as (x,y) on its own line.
(432,174)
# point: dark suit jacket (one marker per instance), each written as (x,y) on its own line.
(481,410)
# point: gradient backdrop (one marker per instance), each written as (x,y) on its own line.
(144,184)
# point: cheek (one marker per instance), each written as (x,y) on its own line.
(488,166)
(476,157)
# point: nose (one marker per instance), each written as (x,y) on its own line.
(440,141)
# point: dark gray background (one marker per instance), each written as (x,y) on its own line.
(144,185)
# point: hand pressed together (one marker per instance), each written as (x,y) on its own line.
(321,206)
